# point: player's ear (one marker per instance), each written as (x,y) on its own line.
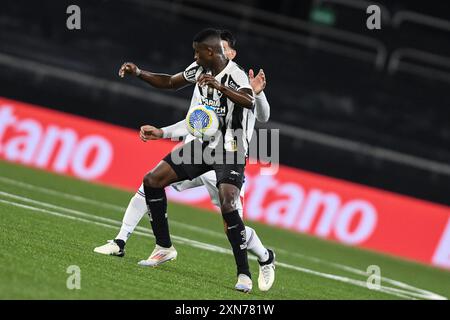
(233,54)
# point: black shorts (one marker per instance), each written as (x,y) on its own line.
(188,163)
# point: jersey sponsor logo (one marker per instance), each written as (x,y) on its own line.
(220,111)
(232,84)
(210,102)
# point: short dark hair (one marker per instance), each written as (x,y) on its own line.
(228,37)
(207,34)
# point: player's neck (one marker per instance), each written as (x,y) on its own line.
(219,65)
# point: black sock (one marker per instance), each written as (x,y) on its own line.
(157,205)
(120,243)
(236,236)
(270,260)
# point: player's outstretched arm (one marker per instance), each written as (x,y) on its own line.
(258,84)
(176,130)
(262,107)
(157,80)
(243,97)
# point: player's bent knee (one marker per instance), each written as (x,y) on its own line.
(152,181)
(160,177)
(147,181)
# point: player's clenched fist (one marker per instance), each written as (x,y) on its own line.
(208,80)
(150,133)
(129,68)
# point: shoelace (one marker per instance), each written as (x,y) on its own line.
(266,272)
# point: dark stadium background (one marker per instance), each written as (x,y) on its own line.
(344,108)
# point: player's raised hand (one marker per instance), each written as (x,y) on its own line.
(208,80)
(257,83)
(128,68)
(150,133)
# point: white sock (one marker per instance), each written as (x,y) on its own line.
(255,246)
(134,213)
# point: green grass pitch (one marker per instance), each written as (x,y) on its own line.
(50,222)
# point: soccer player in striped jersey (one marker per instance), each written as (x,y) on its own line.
(137,207)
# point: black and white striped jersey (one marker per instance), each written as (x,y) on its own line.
(236,122)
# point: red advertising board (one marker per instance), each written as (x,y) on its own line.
(290,198)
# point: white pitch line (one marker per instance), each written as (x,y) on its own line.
(213,248)
(60,194)
(108,206)
(81,199)
(220,235)
(81,214)
(418,291)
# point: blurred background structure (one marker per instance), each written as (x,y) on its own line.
(368,106)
